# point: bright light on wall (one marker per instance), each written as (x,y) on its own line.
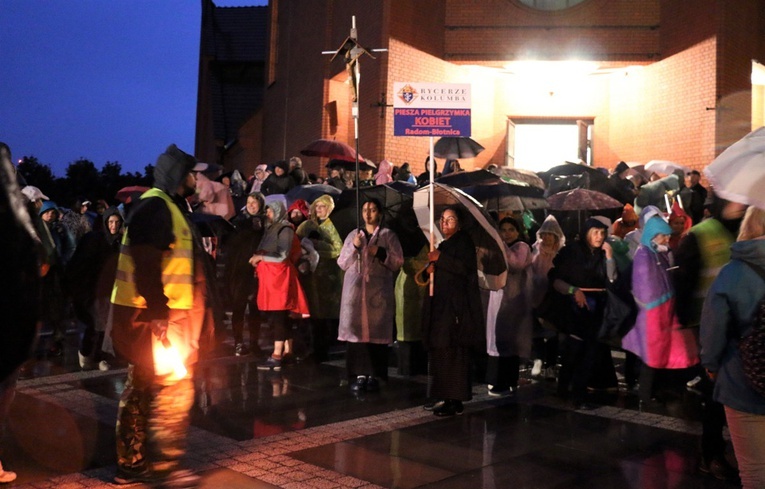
(551,70)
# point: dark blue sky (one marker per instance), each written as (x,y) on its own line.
(105,81)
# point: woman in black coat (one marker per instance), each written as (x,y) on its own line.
(241,283)
(453,316)
(278,182)
(582,271)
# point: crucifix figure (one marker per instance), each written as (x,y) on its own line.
(352,51)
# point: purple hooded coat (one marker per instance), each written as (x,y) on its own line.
(658,338)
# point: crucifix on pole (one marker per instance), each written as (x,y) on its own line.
(352,51)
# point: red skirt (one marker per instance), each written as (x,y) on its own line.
(279,288)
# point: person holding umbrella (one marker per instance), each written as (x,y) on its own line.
(371,258)
(452,316)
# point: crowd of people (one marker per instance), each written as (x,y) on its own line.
(141,281)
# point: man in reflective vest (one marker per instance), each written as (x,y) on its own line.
(699,258)
(158,304)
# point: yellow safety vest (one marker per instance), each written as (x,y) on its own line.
(714,242)
(177,264)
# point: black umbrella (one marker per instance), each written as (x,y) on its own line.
(309,193)
(463,179)
(508,197)
(351,165)
(454,148)
(396,202)
(594,180)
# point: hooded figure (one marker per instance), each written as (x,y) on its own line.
(240,282)
(681,223)
(278,182)
(215,198)
(159,300)
(324,285)
(259,176)
(550,240)
(90,277)
(626,223)
(582,271)
(633,237)
(658,338)
(279,291)
(384,173)
(297,218)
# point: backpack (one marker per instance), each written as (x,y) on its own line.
(752,347)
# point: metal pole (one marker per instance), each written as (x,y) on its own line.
(431,201)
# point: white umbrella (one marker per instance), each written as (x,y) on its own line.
(664,167)
(490,250)
(738,174)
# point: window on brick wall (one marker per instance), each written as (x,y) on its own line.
(539,144)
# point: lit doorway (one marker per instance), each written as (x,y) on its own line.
(538,144)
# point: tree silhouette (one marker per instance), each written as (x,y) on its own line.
(36,173)
(82,179)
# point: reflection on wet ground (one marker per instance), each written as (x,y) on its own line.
(300,428)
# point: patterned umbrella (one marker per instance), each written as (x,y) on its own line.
(512,175)
(580,199)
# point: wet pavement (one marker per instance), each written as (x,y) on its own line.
(300,428)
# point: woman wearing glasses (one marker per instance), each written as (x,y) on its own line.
(453,317)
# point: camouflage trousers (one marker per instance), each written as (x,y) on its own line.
(153,421)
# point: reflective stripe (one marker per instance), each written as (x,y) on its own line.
(179,253)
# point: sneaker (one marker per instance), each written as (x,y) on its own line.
(720,469)
(449,408)
(270,363)
(360,384)
(495,391)
(693,382)
(536,370)
(86,363)
(104,366)
(6,475)
(373,385)
(429,406)
(240,350)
